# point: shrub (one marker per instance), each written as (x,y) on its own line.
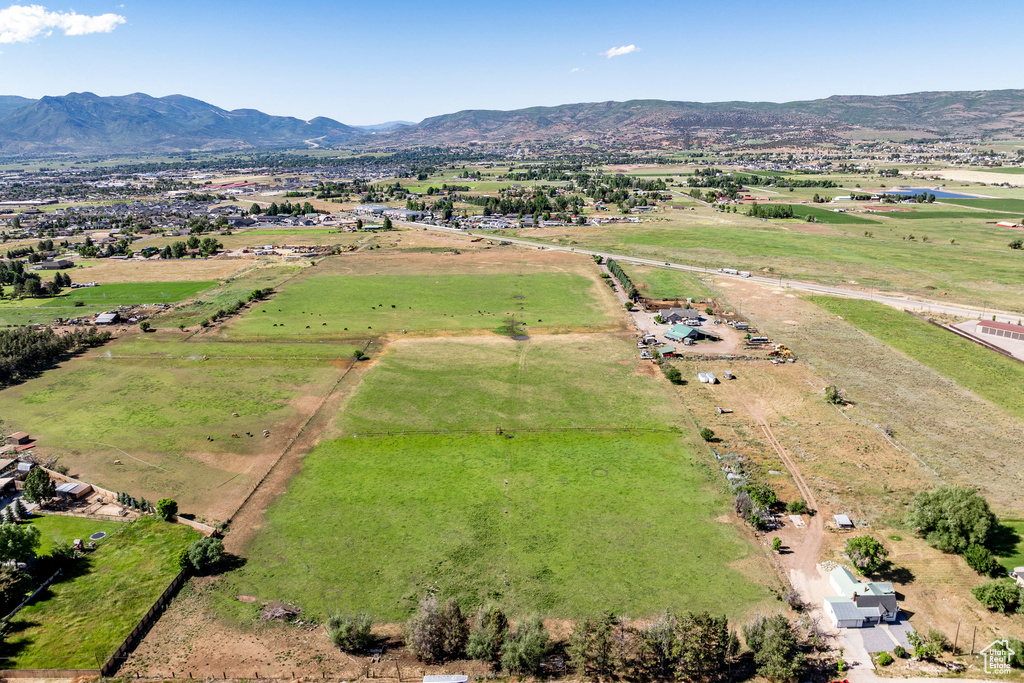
(488,636)
(707,433)
(167,509)
(899,652)
(206,554)
(797,507)
(525,649)
(866,553)
(145,326)
(834,395)
(1001,595)
(923,647)
(939,638)
(673,375)
(884,659)
(981,560)
(436,633)
(952,518)
(350,633)
(1017,660)
(776,544)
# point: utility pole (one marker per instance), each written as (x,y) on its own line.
(956,637)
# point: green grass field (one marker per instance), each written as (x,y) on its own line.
(153,410)
(336,306)
(664,283)
(130,293)
(1016,559)
(594,380)
(988,374)
(561,525)
(79,621)
(801,212)
(1014,205)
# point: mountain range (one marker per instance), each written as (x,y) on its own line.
(84,123)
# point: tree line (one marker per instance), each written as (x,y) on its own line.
(24,351)
(627,284)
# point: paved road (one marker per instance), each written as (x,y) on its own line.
(896,301)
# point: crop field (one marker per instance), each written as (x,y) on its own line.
(106,271)
(554,524)
(157,423)
(120,580)
(131,293)
(662,283)
(1014,205)
(329,306)
(988,374)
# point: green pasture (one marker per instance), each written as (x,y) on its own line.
(561,525)
(130,293)
(80,620)
(801,212)
(988,374)
(1014,205)
(664,283)
(333,306)
(544,382)
(154,414)
(1013,557)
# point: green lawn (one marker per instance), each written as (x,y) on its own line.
(333,306)
(664,283)
(560,525)
(130,293)
(1016,559)
(80,620)
(1015,205)
(988,374)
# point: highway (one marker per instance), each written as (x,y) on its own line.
(896,301)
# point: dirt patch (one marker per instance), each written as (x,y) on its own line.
(183,270)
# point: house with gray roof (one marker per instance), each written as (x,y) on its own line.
(859,603)
(671,316)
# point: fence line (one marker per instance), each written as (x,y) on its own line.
(125,648)
(6,620)
(85,515)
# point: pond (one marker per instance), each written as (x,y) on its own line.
(939,194)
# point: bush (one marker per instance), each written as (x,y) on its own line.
(673,375)
(899,652)
(145,326)
(205,554)
(526,648)
(350,633)
(924,648)
(1017,660)
(981,560)
(834,395)
(435,633)
(488,636)
(884,659)
(776,544)
(952,518)
(707,434)
(797,507)
(866,553)
(167,509)
(1001,595)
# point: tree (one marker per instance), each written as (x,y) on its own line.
(923,647)
(14,584)
(952,518)
(1017,244)
(773,642)
(145,326)
(1001,595)
(350,633)
(255,210)
(387,224)
(673,375)
(867,553)
(797,507)
(39,488)
(488,636)
(178,250)
(590,646)
(707,433)
(18,542)
(435,633)
(526,648)
(19,509)
(167,509)
(657,648)
(704,643)
(205,554)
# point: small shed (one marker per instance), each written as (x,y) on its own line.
(109,318)
(73,490)
(842,521)
(19,438)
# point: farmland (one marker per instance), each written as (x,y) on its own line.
(157,421)
(661,283)
(987,373)
(560,524)
(130,293)
(355,306)
(121,579)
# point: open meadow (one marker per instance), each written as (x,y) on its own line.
(120,580)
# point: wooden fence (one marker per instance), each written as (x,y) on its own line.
(29,598)
(140,630)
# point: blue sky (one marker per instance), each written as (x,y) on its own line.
(377,60)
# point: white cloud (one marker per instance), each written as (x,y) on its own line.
(22,23)
(575,69)
(619,51)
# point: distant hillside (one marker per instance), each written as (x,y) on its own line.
(87,123)
(384,127)
(659,120)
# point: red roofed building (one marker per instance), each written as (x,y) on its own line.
(1005,330)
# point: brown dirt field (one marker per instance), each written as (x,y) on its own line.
(497,260)
(181,270)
